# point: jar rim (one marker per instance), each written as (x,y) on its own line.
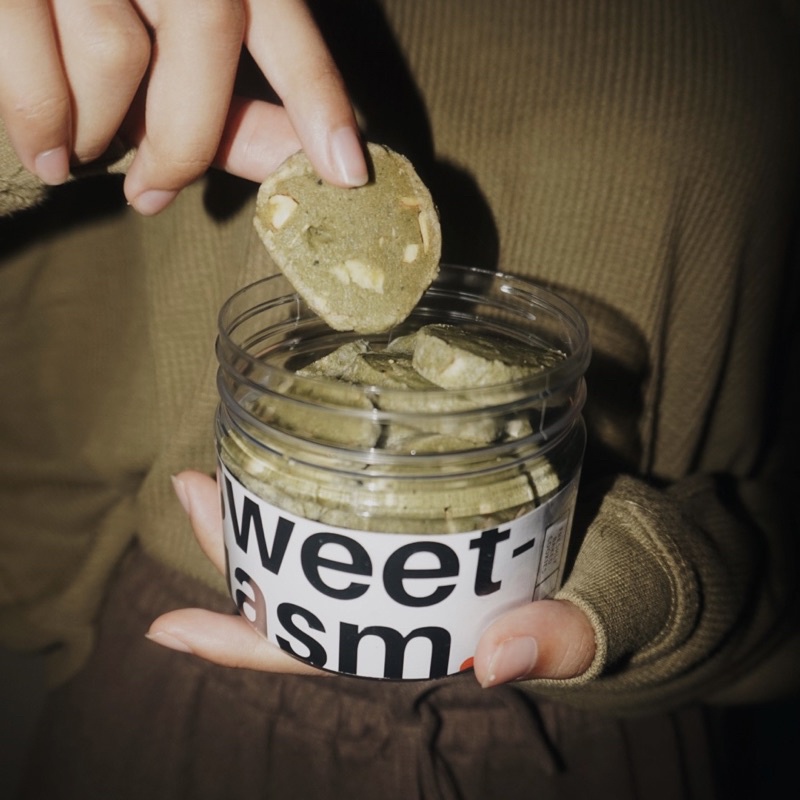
(517,292)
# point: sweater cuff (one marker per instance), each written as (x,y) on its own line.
(633,582)
(19,189)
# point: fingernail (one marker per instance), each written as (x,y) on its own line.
(348,157)
(52,166)
(180,491)
(513,659)
(168,640)
(153,201)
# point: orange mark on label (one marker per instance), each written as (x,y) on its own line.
(467,664)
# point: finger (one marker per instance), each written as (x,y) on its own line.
(298,65)
(544,639)
(195,55)
(257,138)
(34,97)
(199,496)
(226,640)
(105,50)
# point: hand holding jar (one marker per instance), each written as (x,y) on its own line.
(392,504)
(544,639)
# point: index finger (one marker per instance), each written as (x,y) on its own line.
(34,96)
(299,67)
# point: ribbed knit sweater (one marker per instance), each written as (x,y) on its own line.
(639,158)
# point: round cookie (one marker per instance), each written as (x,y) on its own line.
(361,258)
(453,358)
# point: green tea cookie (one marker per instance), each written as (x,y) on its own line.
(319,411)
(361,258)
(453,358)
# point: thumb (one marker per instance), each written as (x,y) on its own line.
(257,138)
(544,639)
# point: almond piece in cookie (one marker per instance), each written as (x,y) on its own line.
(361,258)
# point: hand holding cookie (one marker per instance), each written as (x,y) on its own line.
(79,77)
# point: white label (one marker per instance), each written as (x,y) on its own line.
(385,605)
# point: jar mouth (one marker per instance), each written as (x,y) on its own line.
(267,333)
(263,326)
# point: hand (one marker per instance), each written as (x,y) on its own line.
(75,74)
(546,639)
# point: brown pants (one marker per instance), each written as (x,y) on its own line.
(144,722)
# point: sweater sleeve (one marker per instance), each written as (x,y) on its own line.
(19,189)
(67,480)
(691,587)
(689,591)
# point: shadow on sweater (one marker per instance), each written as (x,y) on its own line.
(68,206)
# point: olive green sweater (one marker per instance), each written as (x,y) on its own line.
(640,158)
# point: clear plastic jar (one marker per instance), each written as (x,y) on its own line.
(361,553)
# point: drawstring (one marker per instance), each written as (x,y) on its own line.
(447,717)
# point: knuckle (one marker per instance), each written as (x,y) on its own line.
(43,110)
(175,167)
(117,43)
